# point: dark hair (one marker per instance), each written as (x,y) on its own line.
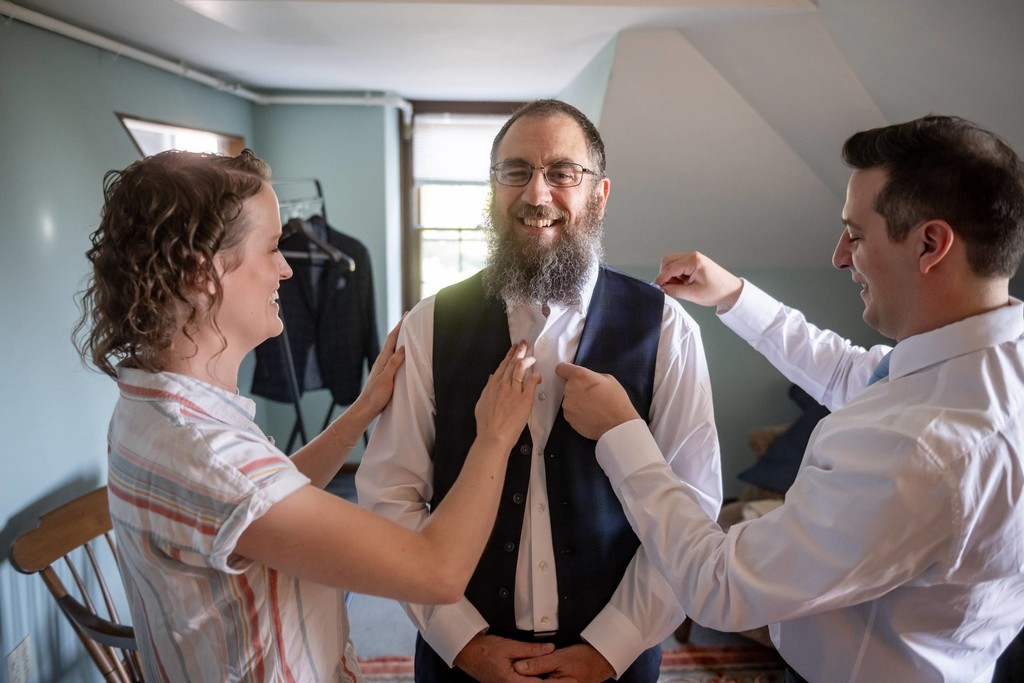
(163,220)
(947,168)
(550,108)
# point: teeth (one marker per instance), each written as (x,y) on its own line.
(539,222)
(274,297)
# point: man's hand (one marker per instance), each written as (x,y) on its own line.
(490,659)
(694,277)
(581,663)
(593,403)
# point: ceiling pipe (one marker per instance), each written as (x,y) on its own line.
(181,69)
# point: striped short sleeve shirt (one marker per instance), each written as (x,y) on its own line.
(189,471)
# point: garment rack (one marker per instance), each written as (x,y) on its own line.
(295,214)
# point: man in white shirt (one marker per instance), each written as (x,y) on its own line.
(898,553)
(563,566)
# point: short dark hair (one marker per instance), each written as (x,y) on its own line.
(163,220)
(550,108)
(947,168)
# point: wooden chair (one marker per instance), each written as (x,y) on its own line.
(61,532)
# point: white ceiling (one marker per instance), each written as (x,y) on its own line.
(461,50)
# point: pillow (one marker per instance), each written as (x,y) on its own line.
(776,469)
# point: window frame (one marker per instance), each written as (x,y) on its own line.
(234,143)
(411,244)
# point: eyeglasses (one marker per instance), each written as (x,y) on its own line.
(560,174)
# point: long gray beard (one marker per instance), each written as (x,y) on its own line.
(524,270)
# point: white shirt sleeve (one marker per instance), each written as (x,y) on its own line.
(824,364)
(395,476)
(833,543)
(643,611)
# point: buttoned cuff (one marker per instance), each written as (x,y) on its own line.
(451,627)
(625,449)
(752,314)
(616,637)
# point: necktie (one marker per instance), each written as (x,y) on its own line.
(881,370)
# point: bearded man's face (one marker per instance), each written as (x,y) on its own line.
(543,240)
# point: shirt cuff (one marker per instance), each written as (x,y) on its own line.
(625,449)
(451,627)
(613,635)
(752,314)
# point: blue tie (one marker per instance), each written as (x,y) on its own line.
(881,370)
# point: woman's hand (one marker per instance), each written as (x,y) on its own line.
(506,401)
(380,384)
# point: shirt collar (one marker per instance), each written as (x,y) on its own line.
(187,391)
(985,330)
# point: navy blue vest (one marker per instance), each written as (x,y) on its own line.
(593,542)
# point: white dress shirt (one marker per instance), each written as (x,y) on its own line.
(395,475)
(897,555)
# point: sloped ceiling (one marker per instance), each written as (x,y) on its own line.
(724,137)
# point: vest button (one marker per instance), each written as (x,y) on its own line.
(509,546)
(565,598)
(517,498)
(503,593)
(551,455)
(525,449)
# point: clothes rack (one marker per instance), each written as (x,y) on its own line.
(300,200)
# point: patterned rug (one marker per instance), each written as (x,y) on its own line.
(685,664)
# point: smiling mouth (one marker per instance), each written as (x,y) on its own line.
(538,222)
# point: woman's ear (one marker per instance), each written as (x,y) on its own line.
(936,239)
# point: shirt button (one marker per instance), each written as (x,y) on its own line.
(542,396)
(543,341)
(541,508)
(544,621)
(543,566)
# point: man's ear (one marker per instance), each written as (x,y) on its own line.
(603,188)
(936,239)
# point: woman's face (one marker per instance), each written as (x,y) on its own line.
(249,313)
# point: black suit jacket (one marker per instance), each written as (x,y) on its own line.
(339,322)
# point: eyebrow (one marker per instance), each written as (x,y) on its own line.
(561,160)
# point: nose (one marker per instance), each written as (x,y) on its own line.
(536,191)
(284,270)
(841,256)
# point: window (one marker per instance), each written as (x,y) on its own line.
(151,137)
(449,187)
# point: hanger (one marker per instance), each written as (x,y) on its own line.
(330,252)
(295,215)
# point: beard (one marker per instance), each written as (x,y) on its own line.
(525,269)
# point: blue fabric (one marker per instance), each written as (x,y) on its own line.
(881,370)
(776,469)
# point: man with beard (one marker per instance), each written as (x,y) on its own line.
(563,588)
